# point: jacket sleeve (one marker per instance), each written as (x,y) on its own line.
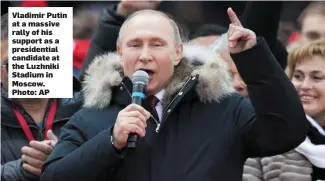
(105,36)
(75,158)
(12,171)
(263,18)
(274,121)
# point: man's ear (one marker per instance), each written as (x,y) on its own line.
(119,51)
(179,53)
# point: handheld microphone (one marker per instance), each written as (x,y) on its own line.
(140,80)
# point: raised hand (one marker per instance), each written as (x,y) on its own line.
(239,38)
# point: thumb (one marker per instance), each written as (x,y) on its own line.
(51,136)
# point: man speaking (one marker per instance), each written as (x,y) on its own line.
(192,125)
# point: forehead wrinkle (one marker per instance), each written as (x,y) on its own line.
(153,36)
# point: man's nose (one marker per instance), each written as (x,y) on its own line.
(145,55)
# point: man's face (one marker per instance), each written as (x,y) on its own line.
(312,28)
(4,63)
(148,43)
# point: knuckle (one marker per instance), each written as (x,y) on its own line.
(48,149)
(39,163)
(140,130)
(133,106)
(24,158)
(24,149)
(138,114)
(25,166)
(121,114)
(39,155)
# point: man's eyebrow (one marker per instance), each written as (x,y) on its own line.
(134,40)
(158,39)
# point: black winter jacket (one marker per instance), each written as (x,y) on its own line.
(13,137)
(207,130)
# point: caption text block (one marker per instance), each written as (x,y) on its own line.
(40,52)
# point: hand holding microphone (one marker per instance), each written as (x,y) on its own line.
(132,119)
(131,122)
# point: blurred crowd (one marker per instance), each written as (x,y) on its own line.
(294,32)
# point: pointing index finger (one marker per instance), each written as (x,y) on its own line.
(233,17)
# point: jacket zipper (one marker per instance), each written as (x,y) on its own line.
(181,90)
(164,114)
(173,100)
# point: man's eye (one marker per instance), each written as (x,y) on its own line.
(134,45)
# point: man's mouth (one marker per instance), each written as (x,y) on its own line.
(149,72)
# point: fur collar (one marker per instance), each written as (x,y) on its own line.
(214,81)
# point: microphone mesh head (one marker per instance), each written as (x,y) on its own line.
(140,77)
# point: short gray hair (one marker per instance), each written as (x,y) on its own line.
(177,36)
(4,27)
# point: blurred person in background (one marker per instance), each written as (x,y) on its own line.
(207,34)
(84,24)
(312,25)
(28,126)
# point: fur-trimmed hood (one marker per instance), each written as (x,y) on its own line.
(105,72)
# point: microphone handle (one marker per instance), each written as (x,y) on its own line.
(137,97)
